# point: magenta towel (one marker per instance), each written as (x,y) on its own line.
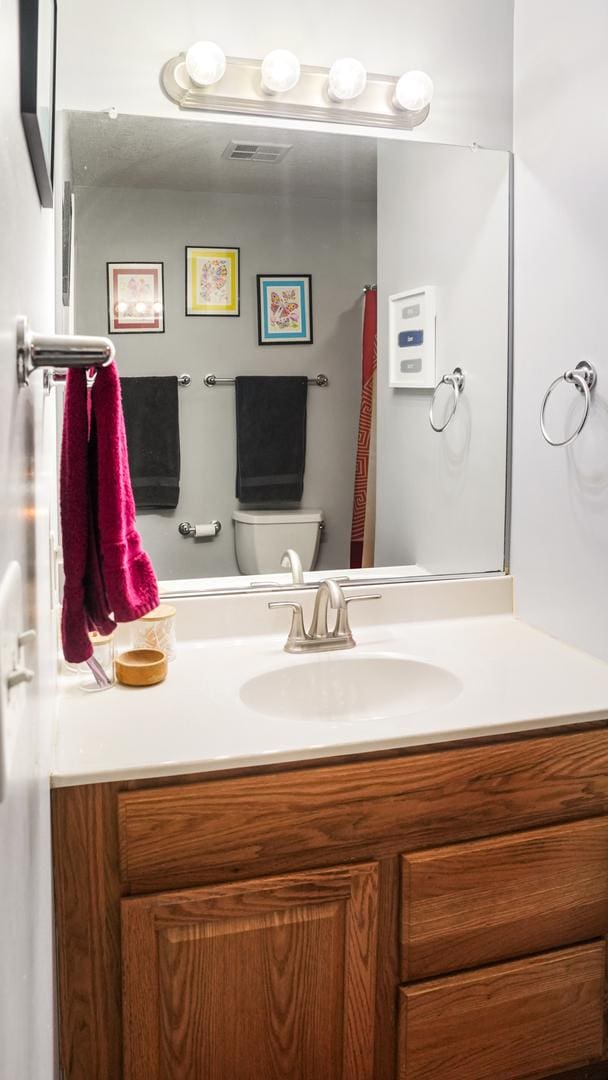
(108,576)
(130,581)
(75,518)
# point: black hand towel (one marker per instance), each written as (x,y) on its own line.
(270,437)
(151,411)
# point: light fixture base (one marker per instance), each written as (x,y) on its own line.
(240,91)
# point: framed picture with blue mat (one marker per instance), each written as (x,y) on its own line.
(284,309)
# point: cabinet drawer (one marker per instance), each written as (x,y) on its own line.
(232,829)
(530,1018)
(476,903)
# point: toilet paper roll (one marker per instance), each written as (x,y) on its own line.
(204,530)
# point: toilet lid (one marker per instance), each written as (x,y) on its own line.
(276,517)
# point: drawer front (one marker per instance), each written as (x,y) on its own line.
(531,1018)
(232,829)
(476,903)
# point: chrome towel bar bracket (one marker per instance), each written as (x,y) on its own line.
(584,378)
(456,382)
(58,350)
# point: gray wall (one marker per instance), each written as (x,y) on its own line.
(443,221)
(560,506)
(26,437)
(335,241)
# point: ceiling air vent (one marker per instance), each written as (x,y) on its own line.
(272,153)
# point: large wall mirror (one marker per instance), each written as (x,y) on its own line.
(312,330)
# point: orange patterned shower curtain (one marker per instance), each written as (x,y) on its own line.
(362,539)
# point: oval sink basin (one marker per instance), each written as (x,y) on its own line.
(350,688)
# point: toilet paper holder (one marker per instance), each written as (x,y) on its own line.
(209,528)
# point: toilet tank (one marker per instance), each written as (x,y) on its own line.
(261,537)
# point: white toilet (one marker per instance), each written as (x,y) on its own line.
(261,537)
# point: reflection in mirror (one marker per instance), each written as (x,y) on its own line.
(331,285)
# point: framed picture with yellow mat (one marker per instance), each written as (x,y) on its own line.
(213,281)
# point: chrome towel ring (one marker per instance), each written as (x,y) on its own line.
(584,378)
(456,382)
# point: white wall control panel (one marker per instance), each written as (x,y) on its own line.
(14,672)
(412,319)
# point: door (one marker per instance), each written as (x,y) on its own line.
(271,979)
(27,424)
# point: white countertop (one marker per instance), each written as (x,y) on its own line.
(514,678)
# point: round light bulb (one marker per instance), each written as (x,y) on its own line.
(140,307)
(157,306)
(205,63)
(347,79)
(414,91)
(122,307)
(280,71)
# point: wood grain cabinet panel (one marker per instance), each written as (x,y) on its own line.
(476,903)
(528,1019)
(268,980)
(196,834)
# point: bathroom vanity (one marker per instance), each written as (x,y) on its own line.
(424,915)
(320,904)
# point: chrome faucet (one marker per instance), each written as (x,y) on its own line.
(290,560)
(319,638)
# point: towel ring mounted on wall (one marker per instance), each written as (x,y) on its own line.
(456,382)
(584,378)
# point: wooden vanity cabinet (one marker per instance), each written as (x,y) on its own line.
(433,915)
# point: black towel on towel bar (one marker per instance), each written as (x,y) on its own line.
(151,409)
(270,437)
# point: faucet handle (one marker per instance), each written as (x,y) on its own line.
(342,624)
(297,631)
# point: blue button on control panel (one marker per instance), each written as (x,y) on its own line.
(407,338)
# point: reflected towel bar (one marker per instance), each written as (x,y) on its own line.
(51,378)
(212,380)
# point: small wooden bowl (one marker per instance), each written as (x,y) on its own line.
(141,667)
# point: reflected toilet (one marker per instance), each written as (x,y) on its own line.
(261,537)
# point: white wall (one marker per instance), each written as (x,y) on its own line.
(560,506)
(26,436)
(335,241)
(443,220)
(113,55)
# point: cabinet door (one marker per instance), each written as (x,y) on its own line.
(271,979)
(536,1017)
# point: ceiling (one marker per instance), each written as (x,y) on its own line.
(186,155)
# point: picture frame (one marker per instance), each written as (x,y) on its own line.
(213,281)
(412,316)
(37,56)
(135,298)
(285,309)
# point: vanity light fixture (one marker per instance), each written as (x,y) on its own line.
(347,79)
(280,71)
(279,86)
(413,92)
(205,63)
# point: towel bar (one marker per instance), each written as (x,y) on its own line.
(52,377)
(212,380)
(58,350)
